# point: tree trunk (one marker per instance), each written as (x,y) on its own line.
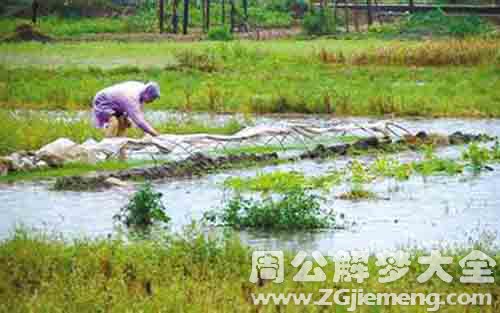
(161,15)
(185,19)
(175,17)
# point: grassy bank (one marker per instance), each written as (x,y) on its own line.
(30,131)
(71,169)
(343,77)
(187,273)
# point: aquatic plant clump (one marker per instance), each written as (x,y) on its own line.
(144,209)
(295,209)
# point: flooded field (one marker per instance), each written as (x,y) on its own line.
(438,211)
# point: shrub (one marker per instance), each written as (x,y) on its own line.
(144,20)
(269,18)
(144,209)
(318,22)
(221,33)
(296,209)
(438,23)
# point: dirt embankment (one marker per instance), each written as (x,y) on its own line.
(199,164)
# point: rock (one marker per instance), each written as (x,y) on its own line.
(14,158)
(59,147)
(27,164)
(41,165)
(367,143)
(52,160)
(458,138)
(439,140)
(421,135)
(116,182)
(82,183)
(339,149)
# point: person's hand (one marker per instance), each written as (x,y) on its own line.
(154,133)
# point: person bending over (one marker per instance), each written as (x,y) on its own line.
(115,107)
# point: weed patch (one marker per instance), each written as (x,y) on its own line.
(430,53)
(144,209)
(295,209)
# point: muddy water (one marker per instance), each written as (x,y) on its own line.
(436,212)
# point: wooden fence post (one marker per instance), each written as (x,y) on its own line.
(185,18)
(162,16)
(411,4)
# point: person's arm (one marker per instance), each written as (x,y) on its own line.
(138,118)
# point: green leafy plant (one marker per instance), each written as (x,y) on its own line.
(387,167)
(296,209)
(283,182)
(437,165)
(144,209)
(477,156)
(359,176)
(144,20)
(438,23)
(319,22)
(221,33)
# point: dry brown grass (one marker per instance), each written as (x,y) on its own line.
(428,53)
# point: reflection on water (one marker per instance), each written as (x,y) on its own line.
(440,211)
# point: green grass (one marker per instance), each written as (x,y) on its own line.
(357,174)
(282,182)
(185,272)
(58,27)
(72,169)
(277,76)
(31,130)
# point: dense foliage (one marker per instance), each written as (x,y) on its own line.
(319,22)
(295,209)
(221,33)
(437,23)
(144,209)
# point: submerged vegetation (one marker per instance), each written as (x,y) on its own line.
(357,174)
(281,182)
(144,209)
(294,209)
